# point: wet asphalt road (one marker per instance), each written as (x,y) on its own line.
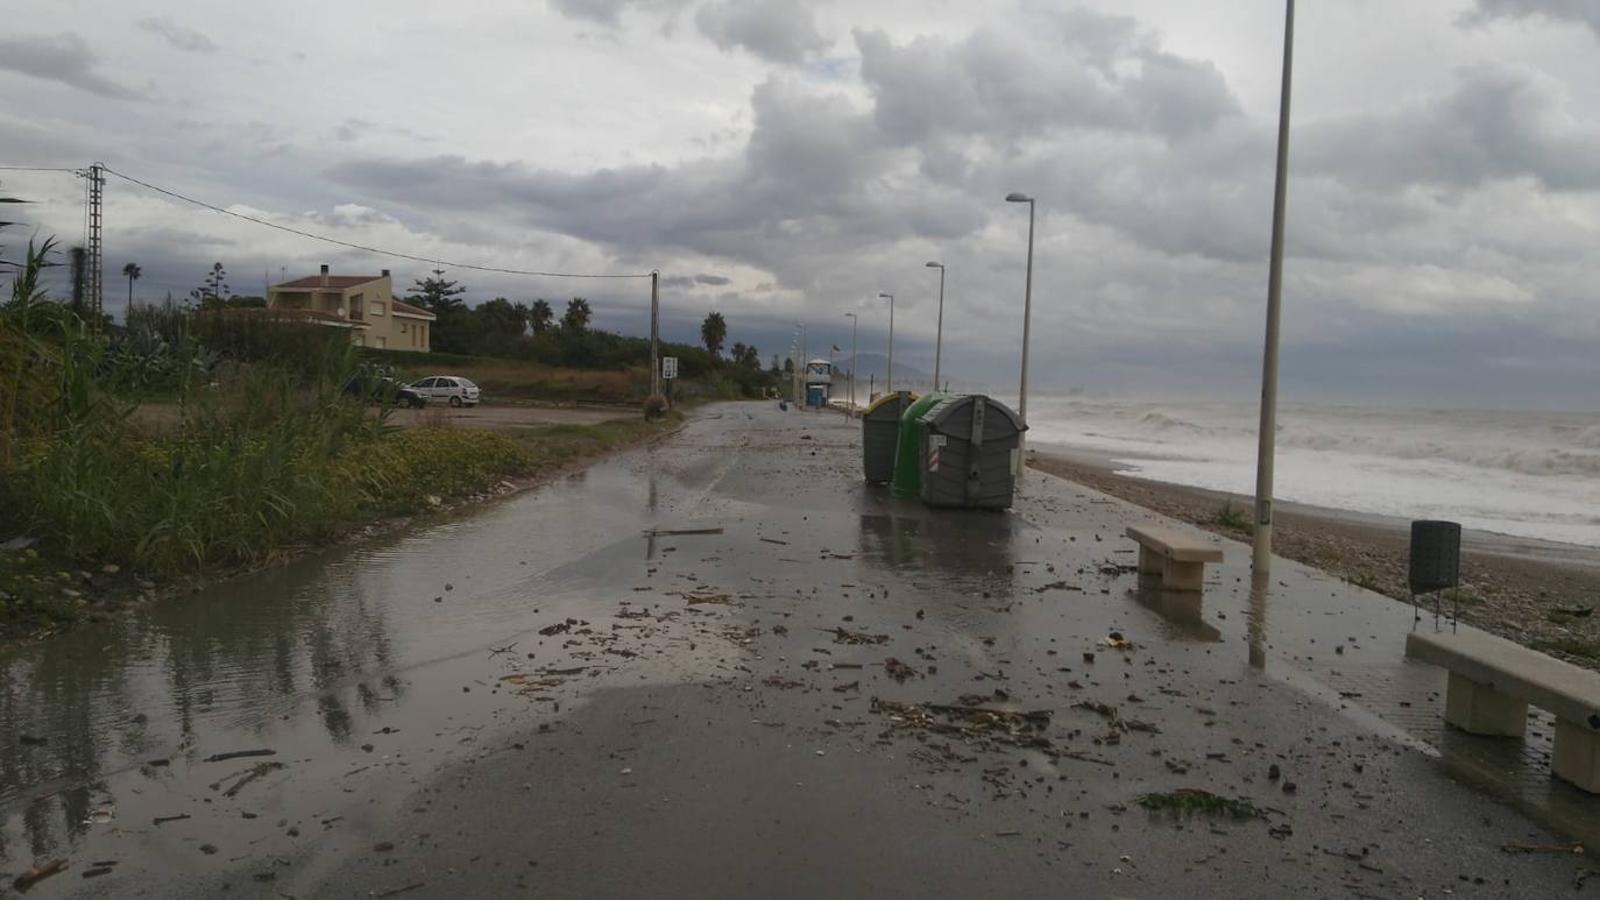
(544,698)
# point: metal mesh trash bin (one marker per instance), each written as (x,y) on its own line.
(880,433)
(969,453)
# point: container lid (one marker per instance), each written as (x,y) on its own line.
(943,410)
(903,398)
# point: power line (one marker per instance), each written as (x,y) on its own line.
(37,169)
(375,250)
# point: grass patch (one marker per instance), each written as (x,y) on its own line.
(1571,646)
(1367,581)
(1461,596)
(1232,517)
(1192,802)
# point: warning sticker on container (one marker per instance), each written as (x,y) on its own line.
(937,440)
(933,459)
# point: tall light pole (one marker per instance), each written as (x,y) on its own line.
(1027,317)
(1261,556)
(888,385)
(855,322)
(938,341)
(655,333)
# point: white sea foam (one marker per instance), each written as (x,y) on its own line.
(1534,474)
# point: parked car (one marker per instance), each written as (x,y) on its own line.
(452,389)
(384,391)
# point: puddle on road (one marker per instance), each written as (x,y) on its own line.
(107,728)
(368,669)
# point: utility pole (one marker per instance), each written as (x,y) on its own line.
(938,341)
(1261,555)
(655,333)
(95,280)
(855,321)
(889,378)
(1027,319)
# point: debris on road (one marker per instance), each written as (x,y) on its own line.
(239,754)
(898,670)
(1194,801)
(845,636)
(37,874)
(247,776)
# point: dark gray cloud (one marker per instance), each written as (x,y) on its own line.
(64,58)
(609,12)
(1498,122)
(781,31)
(713,280)
(1072,70)
(179,36)
(606,12)
(1586,12)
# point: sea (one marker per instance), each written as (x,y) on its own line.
(1527,474)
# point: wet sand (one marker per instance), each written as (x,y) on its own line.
(1526,590)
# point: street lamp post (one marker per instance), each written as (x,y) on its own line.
(1261,551)
(854,323)
(1027,316)
(888,386)
(938,341)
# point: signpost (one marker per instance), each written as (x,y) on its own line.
(669,373)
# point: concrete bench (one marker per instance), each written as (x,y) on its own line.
(1179,559)
(1492,681)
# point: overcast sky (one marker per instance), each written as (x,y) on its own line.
(783,160)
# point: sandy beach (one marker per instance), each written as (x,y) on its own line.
(1540,593)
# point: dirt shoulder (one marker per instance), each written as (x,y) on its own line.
(83,595)
(1507,589)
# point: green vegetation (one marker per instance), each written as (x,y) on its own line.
(1232,517)
(1192,801)
(263,455)
(498,334)
(1581,648)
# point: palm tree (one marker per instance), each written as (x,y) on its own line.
(576,319)
(540,315)
(713,332)
(132,272)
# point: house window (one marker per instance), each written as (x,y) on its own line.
(355,308)
(377,307)
(402,328)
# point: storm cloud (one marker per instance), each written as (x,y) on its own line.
(1586,12)
(65,58)
(784,160)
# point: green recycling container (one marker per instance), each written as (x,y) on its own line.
(908,458)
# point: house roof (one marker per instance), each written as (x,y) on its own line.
(401,308)
(335,282)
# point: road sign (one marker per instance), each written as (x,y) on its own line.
(669,367)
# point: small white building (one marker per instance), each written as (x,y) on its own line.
(819,382)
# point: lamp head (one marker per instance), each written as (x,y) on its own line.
(885,296)
(935,265)
(1018,198)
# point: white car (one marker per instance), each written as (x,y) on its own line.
(453,389)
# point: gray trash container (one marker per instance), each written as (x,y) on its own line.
(969,453)
(880,434)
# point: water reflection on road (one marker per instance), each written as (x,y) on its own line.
(292,658)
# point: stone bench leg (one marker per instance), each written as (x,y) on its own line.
(1577,756)
(1149,561)
(1183,576)
(1480,709)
